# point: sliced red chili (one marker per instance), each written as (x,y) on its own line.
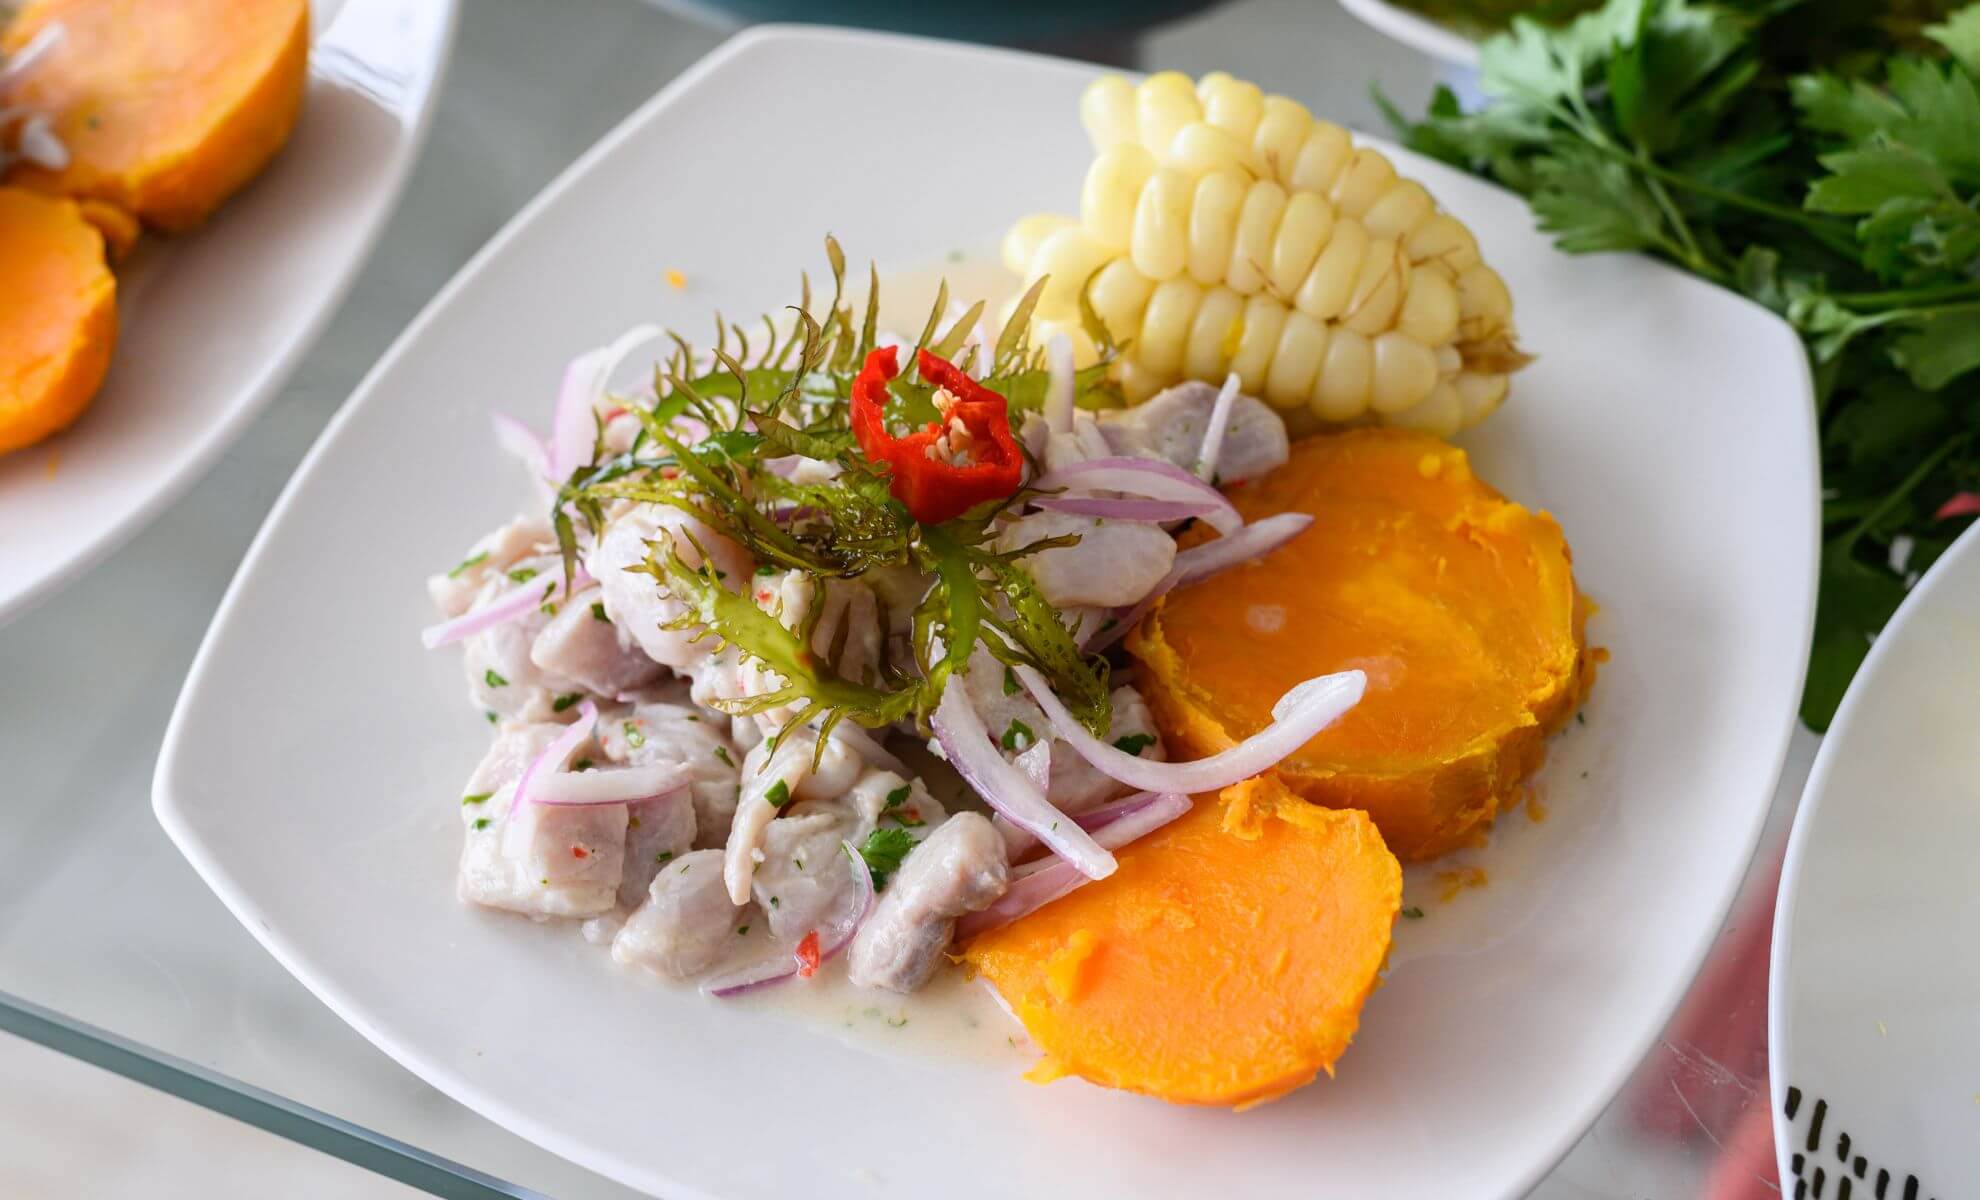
(936,488)
(807,955)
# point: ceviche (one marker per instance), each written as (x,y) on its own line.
(1041,650)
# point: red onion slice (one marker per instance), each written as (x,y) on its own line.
(1150,477)
(1036,763)
(968,747)
(624,785)
(1117,508)
(1960,505)
(1032,891)
(1255,540)
(841,933)
(572,430)
(507,607)
(521,441)
(1213,433)
(1301,713)
(1059,384)
(554,754)
(749,978)
(832,939)
(1093,820)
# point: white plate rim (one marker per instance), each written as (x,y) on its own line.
(455,1086)
(1416,31)
(1814,799)
(253,399)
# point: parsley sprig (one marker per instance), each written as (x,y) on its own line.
(788,401)
(1821,158)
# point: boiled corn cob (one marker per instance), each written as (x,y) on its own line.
(1222,230)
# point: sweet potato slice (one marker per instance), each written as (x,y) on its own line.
(58,315)
(166,106)
(1225,963)
(1459,604)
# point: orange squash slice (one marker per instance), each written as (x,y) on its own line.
(1460,605)
(58,315)
(166,107)
(1225,963)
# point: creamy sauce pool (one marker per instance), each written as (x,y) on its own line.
(954,1019)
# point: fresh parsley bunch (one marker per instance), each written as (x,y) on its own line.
(1820,156)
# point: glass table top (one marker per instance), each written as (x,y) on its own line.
(112,950)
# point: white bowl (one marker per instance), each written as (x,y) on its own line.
(214,321)
(311,770)
(1416,31)
(1874,1008)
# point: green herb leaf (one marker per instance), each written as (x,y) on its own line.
(778,795)
(565,701)
(1134,743)
(476,798)
(493,680)
(462,567)
(883,850)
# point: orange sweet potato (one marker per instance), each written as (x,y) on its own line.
(1459,604)
(1225,963)
(166,106)
(58,315)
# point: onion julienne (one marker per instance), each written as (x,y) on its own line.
(1301,713)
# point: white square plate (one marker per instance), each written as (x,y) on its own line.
(311,769)
(214,321)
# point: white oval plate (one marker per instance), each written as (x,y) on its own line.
(1874,1008)
(213,322)
(311,770)
(1416,31)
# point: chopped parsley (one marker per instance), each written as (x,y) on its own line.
(1134,743)
(565,701)
(883,851)
(722,752)
(1010,682)
(1413,913)
(490,716)
(899,795)
(1018,736)
(523,574)
(634,737)
(778,795)
(774,903)
(765,570)
(472,560)
(741,930)
(493,680)
(598,612)
(481,822)
(663,856)
(477,798)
